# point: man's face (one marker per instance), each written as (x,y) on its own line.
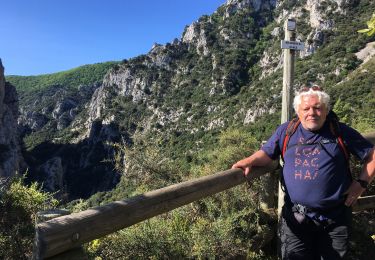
(312,113)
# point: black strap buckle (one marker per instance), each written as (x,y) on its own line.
(300,209)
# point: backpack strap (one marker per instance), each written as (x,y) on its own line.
(290,130)
(335,129)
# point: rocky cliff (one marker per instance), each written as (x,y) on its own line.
(10,150)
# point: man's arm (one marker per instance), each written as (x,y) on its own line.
(259,158)
(368,174)
(368,170)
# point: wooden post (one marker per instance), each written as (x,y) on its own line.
(286,109)
(288,77)
(42,216)
(266,197)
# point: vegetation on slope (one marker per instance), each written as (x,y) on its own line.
(84,75)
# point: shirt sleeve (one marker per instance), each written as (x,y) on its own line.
(273,146)
(355,142)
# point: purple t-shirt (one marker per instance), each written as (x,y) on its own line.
(315,170)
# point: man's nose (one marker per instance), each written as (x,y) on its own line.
(312,111)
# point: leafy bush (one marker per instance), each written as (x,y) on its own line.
(18,207)
(226,225)
(183,234)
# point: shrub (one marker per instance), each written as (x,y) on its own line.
(19,204)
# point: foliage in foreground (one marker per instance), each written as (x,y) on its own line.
(18,207)
(226,225)
(181,234)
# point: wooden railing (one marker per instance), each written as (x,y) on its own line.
(63,233)
(370,137)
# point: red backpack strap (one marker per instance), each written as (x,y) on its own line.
(335,129)
(290,130)
(343,146)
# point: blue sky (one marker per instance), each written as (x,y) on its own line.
(46,36)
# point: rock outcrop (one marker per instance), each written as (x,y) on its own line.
(10,151)
(52,173)
(233,5)
(314,14)
(366,53)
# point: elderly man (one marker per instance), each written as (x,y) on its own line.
(317,180)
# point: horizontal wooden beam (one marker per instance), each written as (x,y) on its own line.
(64,233)
(364,203)
(370,137)
(367,202)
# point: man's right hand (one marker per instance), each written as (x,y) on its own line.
(259,158)
(244,165)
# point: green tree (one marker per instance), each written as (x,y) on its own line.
(371,26)
(342,110)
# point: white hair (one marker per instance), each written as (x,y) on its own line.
(322,96)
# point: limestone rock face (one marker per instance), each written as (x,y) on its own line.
(33,121)
(128,83)
(314,14)
(52,174)
(233,5)
(62,107)
(196,36)
(64,112)
(159,56)
(10,151)
(55,107)
(366,53)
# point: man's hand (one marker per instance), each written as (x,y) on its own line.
(244,165)
(258,158)
(368,173)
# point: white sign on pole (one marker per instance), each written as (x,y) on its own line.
(299,46)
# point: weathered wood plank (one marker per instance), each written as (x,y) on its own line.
(287,94)
(367,202)
(370,137)
(63,233)
(364,203)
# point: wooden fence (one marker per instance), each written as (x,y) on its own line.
(63,233)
